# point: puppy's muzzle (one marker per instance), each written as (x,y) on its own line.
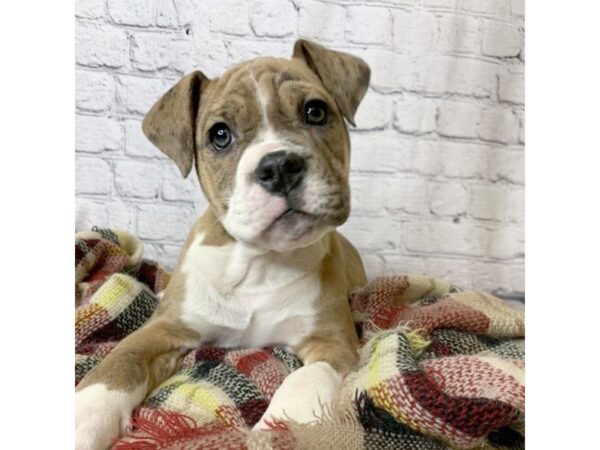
(279,173)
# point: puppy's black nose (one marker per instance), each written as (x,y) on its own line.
(280,172)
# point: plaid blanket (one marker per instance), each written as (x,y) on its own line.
(440,368)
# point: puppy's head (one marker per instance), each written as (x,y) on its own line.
(269,142)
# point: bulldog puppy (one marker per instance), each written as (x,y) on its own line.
(264,264)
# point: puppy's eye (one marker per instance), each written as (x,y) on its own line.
(220,135)
(315,112)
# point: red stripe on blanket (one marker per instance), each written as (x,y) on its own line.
(386,316)
(474,416)
(469,376)
(447,313)
(253,410)
(163,429)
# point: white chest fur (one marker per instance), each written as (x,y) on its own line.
(236,296)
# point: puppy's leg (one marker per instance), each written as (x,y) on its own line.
(303,394)
(106,396)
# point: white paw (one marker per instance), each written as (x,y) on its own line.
(101,416)
(302,395)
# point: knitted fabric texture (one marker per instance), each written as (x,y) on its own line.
(440,368)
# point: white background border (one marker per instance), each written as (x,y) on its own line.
(37,176)
(562,224)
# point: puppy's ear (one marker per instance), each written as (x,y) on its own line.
(171,122)
(345,76)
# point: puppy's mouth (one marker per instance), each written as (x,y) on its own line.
(294,221)
(292,228)
(292,213)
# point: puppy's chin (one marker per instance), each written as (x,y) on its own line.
(290,230)
(274,223)
(293,229)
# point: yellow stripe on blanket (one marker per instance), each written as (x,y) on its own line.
(116,293)
(197,399)
(381,366)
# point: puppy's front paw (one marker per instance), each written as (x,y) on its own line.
(302,395)
(101,416)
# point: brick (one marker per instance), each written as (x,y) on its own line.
(415,115)
(164,222)
(449,199)
(321,21)
(372,234)
(131,12)
(439,3)
(211,55)
(390,71)
(94,91)
(426,158)
(458,119)
(456,271)
(508,165)
(154,252)
(518,278)
(136,143)
(374,112)
(399,264)
(458,33)
(155,51)
(378,196)
(138,94)
(100,46)
(174,13)
(498,125)
(97,134)
(413,32)
(460,160)
(229,16)
(488,202)
(167,255)
(517,8)
(522,54)
(89,213)
(408,194)
(501,39)
(122,214)
(366,195)
(243,49)
(446,238)
(515,205)
(522,128)
(376,152)
(455,75)
(368,25)
(499,8)
(92,176)
(374,266)
(273,19)
(138,179)
(166,14)
(492,277)
(176,188)
(511,86)
(90,9)
(170,256)
(506,243)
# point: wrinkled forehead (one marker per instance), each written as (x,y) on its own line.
(261,84)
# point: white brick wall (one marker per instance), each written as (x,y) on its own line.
(438,153)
